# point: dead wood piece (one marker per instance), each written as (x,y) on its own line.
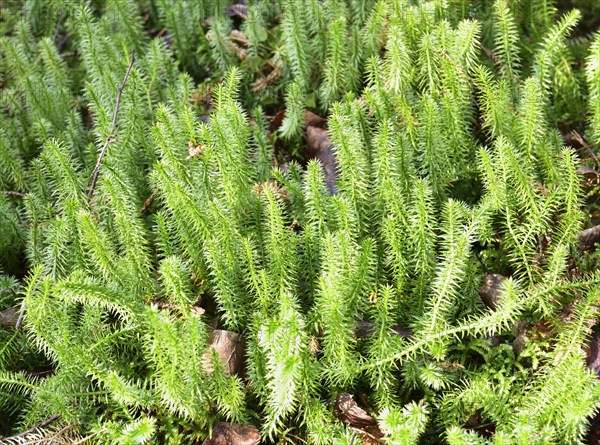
(348,411)
(230,350)
(233,434)
(320,147)
(491,289)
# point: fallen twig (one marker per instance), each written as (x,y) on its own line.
(58,24)
(466,426)
(587,146)
(111,137)
(491,55)
(12,192)
(353,438)
(20,319)
(365,329)
(44,424)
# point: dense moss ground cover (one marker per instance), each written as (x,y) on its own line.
(299,221)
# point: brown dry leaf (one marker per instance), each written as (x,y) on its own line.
(263,82)
(317,140)
(313,119)
(313,346)
(452,366)
(273,186)
(491,289)
(230,350)
(233,434)
(277,120)
(584,170)
(238,49)
(541,188)
(148,202)
(239,9)
(588,237)
(319,147)
(9,317)
(593,356)
(543,330)
(203,95)
(521,332)
(348,411)
(194,150)
(239,37)
(198,311)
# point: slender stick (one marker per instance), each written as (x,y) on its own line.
(12,192)
(111,137)
(585,145)
(353,438)
(20,319)
(45,423)
(466,426)
(58,23)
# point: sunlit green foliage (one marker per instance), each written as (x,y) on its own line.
(445,120)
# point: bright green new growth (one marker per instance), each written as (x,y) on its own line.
(450,165)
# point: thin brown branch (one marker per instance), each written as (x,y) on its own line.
(44,424)
(490,54)
(467,426)
(58,24)
(353,438)
(43,373)
(587,146)
(111,137)
(366,329)
(21,313)
(12,192)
